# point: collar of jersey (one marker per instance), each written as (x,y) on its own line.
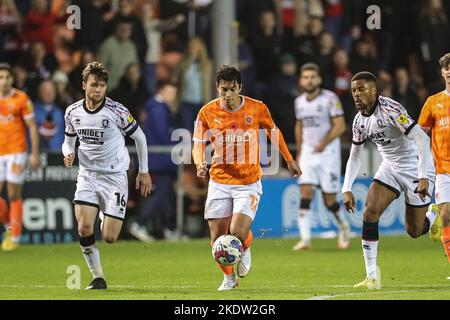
(240,106)
(10,94)
(377,103)
(96,110)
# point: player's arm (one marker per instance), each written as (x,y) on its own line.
(200,139)
(143,179)
(423,147)
(337,129)
(276,137)
(34,137)
(351,172)
(426,118)
(298,138)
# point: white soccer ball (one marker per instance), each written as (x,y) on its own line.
(227,250)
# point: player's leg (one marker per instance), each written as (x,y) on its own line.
(419,219)
(4,211)
(86,214)
(379,197)
(304,217)
(443,201)
(245,204)
(338,212)
(218,227)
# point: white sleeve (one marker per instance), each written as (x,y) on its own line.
(423,147)
(141,147)
(353,166)
(68,146)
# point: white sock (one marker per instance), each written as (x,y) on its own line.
(92,256)
(230,277)
(431,215)
(304,225)
(370,257)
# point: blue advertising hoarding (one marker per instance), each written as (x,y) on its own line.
(278,211)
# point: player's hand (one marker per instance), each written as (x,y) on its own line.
(68,160)
(202,169)
(349,201)
(144,183)
(294,168)
(320,147)
(422,189)
(34,161)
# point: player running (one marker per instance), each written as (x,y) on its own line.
(231,123)
(435,116)
(320,122)
(406,166)
(100,125)
(16,114)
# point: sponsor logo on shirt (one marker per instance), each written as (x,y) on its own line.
(402,119)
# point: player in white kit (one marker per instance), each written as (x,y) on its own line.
(407,166)
(100,124)
(320,123)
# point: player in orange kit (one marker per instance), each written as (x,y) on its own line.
(435,115)
(16,113)
(231,123)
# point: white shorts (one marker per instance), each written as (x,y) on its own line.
(321,170)
(442,188)
(406,181)
(106,191)
(13,167)
(225,199)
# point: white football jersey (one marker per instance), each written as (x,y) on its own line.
(387,127)
(316,118)
(101,134)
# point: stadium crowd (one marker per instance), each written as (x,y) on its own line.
(159,58)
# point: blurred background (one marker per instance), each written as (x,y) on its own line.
(162,56)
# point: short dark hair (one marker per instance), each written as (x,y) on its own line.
(97,69)
(6,67)
(444,61)
(364,75)
(162,83)
(228,73)
(310,66)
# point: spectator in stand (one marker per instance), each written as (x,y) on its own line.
(305,45)
(125,13)
(131,90)
(158,124)
(334,10)
(39,66)
(40,23)
(324,59)
(94,17)
(246,63)
(154,28)
(405,94)
(49,118)
(434,41)
(266,45)
(342,73)
(282,91)
(363,58)
(20,78)
(64,96)
(11,38)
(193,77)
(117,52)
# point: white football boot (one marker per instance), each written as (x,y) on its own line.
(228,284)
(243,267)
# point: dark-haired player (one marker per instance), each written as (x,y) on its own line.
(231,123)
(406,166)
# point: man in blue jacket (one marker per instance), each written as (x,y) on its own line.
(158,124)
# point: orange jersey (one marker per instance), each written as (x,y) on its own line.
(234,136)
(435,114)
(14,110)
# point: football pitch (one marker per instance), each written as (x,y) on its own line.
(410,269)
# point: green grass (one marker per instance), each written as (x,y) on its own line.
(411,269)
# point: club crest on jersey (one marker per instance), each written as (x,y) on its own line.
(130,118)
(380,124)
(105,123)
(248,119)
(76,122)
(402,119)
